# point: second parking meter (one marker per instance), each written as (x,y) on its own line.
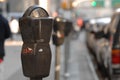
(68,28)
(36,28)
(59,27)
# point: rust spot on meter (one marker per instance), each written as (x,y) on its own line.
(27,50)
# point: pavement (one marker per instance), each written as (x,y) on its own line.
(75,65)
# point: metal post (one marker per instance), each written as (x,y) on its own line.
(66,56)
(35,78)
(57,63)
(1,71)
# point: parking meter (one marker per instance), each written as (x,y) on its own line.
(68,27)
(59,27)
(36,28)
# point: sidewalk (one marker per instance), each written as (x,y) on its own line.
(80,66)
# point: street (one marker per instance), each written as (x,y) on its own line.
(79,64)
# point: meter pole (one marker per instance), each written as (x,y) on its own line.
(57,63)
(66,57)
(35,78)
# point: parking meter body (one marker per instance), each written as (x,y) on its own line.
(59,27)
(36,52)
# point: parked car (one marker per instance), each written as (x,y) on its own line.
(90,37)
(108,55)
(13,19)
(115,46)
(94,30)
(98,42)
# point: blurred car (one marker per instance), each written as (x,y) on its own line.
(114,29)
(90,37)
(107,49)
(14,25)
(13,22)
(94,30)
(102,51)
(98,42)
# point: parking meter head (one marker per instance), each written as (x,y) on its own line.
(36,33)
(43,32)
(36,29)
(30,25)
(36,11)
(26,29)
(59,24)
(59,27)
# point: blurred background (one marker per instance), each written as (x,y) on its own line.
(69,9)
(79,8)
(87,56)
